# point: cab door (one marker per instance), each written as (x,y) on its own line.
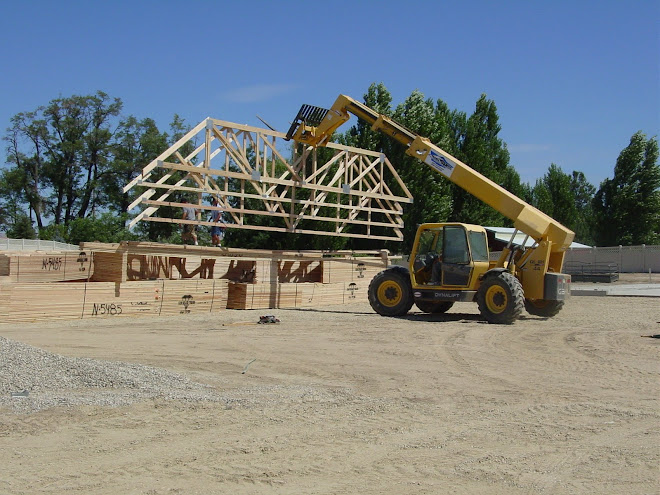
(456,262)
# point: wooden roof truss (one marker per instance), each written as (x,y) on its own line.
(246,171)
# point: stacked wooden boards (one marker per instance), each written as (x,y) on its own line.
(343,280)
(40,301)
(135,278)
(46,267)
(295,295)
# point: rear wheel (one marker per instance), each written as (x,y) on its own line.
(500,298)
(390,292)
(542,307)
(434,307)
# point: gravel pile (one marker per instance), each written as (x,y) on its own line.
(32,379)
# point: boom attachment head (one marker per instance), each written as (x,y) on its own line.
(304,125)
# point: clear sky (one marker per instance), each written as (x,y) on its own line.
(572,80)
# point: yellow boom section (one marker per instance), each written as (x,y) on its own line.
(314,126)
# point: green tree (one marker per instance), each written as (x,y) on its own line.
(477,144)
(432,199)
(106,227)
(583,194)
(361,135)
(562,206)
(77,148)
(151,143)
(627,207)
(136,143)
(567,199)
(22,228)
(541,198)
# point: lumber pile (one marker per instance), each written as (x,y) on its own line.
(263,296)
(147,260)
(108,267)
(295,295)
(351,269)
(138,278)
(39,301)
(47,267)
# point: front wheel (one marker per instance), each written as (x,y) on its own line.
(500,298)
(544,308)
(434,307)
(390,292)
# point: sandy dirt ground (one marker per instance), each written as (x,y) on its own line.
(340,400)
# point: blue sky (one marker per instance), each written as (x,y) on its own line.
(572,81)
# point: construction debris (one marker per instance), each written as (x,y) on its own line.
(268,319)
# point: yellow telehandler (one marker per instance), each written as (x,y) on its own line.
(450,261)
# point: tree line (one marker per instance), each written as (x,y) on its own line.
(68,161)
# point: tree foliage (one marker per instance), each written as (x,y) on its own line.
(477,143)
(627,207)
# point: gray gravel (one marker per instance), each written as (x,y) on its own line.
(32,379)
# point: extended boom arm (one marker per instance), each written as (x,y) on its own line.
(314,126)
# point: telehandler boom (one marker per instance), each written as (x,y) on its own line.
(450,262)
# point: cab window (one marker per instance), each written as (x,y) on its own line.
(479,246)
(456,246)
(430,241)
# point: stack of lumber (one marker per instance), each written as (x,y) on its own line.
(147,267)
(263,296)
(193,296)
(153,266)
(294,295)
(291,271)
(109,267)
(39,301)
(137,278)
(147,260)
(46,267)
(351,269)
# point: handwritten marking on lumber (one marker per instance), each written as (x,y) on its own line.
(186,301)
(111,309)
(82,259)
(51,263)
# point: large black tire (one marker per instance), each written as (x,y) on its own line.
(541,307)
(434,307)
(500,298)
(390,292)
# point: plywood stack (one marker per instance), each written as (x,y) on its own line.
(46,267)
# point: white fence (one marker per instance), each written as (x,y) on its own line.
(628,259)
(7,244)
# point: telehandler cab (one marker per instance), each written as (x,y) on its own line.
(450,261)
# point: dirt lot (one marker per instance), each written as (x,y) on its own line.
(341,400)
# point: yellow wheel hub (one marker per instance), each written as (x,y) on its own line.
(389,293)
(496,299)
